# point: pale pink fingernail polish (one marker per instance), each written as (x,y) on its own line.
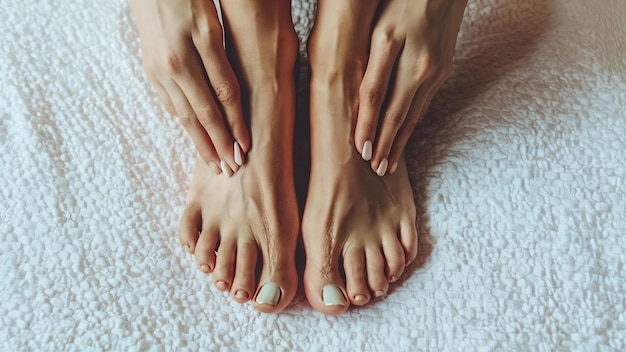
(238,154)
(382,167)
(393,168)
(226,169)
(366,152)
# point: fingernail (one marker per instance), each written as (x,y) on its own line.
(379,293)
(241,294)
(238,155)
(366,152)
(269,294)
(360,298)
(393,168)
(382,167)
(393,278)
(225,169)
(332,296)
(216,169)
(222,285)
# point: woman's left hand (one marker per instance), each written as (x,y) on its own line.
(411,52)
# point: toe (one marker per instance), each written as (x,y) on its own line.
(278,280)
(394,257)
(243,283)
(376,271)
(408,239)
(190,222)
(225,265)
(205,249)
(356,281)
(325,290)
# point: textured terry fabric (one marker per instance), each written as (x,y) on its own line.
(518,172)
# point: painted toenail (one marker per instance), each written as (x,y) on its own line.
(382,167)
(225,169)
(238,155)
(222,285)
(360,298)
(205,268)
(332,296)
(241,294)
(394,167)
(366,154)
(216,169)
(269,294)
(393,278)
(379,293)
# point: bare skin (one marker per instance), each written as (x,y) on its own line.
(354,220)
(252,217)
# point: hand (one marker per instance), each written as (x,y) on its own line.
(411,52)
(185,59)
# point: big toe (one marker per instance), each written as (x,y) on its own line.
(325,292)
(277,286)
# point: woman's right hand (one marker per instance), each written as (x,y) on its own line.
(185,59)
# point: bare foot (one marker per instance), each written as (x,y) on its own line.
(230,221)
(355,221)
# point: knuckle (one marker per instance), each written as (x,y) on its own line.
(227,93)
(187,119)
(173,64)
(206,115)
(372,95)
(394,119)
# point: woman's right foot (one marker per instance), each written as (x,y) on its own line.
(358,227)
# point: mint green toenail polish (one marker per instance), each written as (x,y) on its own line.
(332,296)
(269,294)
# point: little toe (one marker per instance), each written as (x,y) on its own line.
(205,249)
(224,266)
(356,281)
(190,222)
(408,239)
(394,257)
(376,271)
(243,283)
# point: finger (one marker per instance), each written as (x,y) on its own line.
(190,123)
(373,90)
(162,94)
(416,113)
(401,96)
(208,40)
(194,85)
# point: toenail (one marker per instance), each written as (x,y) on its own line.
(216,169)
(393,168)
(408,261)
(382,167)
(393,278)
(269,294)
(332,296)
(237,153)
(187,247)
(241,294)
(205,268)
(379,293)
(222,285)
(225,169)
(360,298)
(366,154)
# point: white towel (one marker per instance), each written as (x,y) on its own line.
(518,172)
